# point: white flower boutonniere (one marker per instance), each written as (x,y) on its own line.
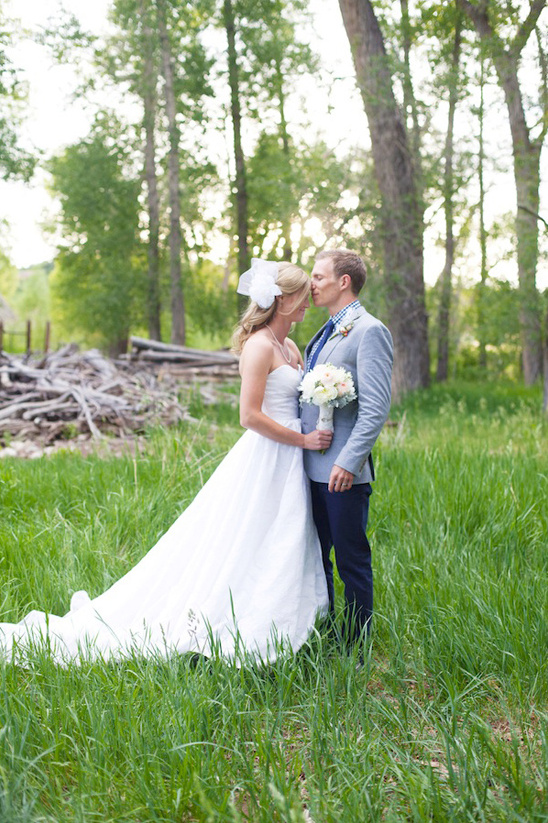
(342,330)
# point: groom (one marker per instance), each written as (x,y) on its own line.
(341,478)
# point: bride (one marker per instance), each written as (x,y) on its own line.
(239,573)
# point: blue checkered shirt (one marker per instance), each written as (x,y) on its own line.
(337,321)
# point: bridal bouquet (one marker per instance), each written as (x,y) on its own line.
(329,387)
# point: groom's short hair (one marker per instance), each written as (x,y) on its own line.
(347,262)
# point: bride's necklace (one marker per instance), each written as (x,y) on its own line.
(286,357)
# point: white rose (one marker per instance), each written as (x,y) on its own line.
(329,377)
(308,382)
(324,394)
(307,387)
(319,370)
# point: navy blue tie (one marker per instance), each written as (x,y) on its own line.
(329,326)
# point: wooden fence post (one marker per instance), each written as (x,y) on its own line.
(28,336)
(1,337)
(47,339)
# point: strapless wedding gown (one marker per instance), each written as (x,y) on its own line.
(239,572)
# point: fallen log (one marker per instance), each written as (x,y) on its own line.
(170,350)
(192,360)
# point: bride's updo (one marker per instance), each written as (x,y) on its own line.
(292,281)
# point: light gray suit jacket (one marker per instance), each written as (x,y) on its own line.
(367,353)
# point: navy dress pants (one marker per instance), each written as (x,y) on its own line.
(341,521)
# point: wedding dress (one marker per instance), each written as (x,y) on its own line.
(239,572)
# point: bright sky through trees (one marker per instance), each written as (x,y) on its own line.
(55,120)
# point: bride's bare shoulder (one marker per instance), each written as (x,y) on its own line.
(257,350)
(258,340)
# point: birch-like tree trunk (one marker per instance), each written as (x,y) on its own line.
(284,133)
(446,277)
(409,99)
(150,102)
(482,230)
(178,334)
(239,159)
(526,153)
(401,219)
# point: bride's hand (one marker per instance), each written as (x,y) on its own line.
(318,440)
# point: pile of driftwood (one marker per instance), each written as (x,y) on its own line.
(68,392)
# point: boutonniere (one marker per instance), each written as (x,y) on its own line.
(342,330)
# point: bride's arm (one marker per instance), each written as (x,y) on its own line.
(255,364)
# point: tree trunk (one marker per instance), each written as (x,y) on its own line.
(545,358)
(409,100)
(150,104)
(526,155)
(482,230)
(401,221)
(527,175)
(119,346)
(444,311)
(286,223)
(177,298)
(239,160)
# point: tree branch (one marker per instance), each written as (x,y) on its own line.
(533,213)
(478,16)
(544,90)
(527,27)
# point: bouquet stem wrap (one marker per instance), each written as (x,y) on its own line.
(325,418)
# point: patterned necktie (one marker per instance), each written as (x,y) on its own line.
(326,333)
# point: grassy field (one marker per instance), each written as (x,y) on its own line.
(448,721)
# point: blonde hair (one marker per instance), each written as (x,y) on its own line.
(291,280)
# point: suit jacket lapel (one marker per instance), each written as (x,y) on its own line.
(333,341)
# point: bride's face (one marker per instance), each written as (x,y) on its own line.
(295,306)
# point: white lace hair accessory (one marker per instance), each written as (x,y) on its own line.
(259,282)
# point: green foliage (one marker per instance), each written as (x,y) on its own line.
(15,160)
(123,54)
(500,306)
(8,277)
(31,302)
(100,267)
(27,298)
(211,305)
(319,195)
(198,176)
(448,719)
(274,184)
(473,402)
(272,50)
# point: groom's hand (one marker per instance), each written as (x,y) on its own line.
(340,480)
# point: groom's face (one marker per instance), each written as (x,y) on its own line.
(326,286)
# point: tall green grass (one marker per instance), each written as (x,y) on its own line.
(448,719)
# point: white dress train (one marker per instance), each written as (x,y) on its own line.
(239,571)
